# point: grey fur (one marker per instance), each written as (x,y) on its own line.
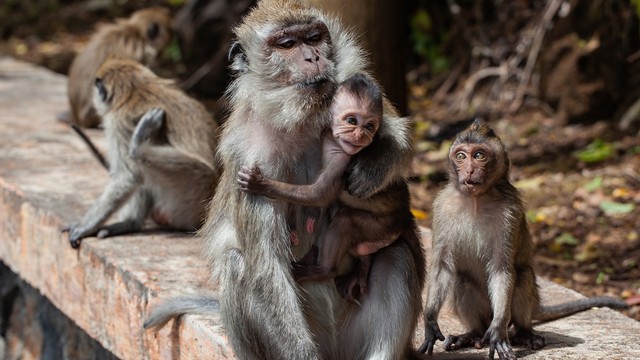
(202,305)
(266,314)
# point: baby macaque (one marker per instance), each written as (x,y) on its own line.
(483,254)
(161,146)
(142,38)
(361,226)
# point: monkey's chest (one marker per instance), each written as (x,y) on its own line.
(474,240)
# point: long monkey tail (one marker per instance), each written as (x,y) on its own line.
(553,312)
(91,145)
(174,307)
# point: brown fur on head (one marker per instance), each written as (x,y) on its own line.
(142,37)
(122,83)
(478,159)
(366,90)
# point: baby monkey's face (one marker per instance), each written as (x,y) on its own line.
(354,123)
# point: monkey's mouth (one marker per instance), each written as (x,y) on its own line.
(470,186)
(315,82)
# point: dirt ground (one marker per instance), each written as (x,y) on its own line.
(583,214)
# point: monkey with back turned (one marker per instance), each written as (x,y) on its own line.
(161,146)
(141,37)
(483,254)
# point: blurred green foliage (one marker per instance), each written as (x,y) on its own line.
(616,208)
(636,4)
(594,184)
(427,44)
(596,151)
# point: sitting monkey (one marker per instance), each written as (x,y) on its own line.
(483,254)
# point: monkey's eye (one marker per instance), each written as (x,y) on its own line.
(370,126)
(351,120)
(460,156)
(286,43)
(152,31)
(102,91)
(479,155)
(314,38)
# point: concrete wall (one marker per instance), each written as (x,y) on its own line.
(32,328)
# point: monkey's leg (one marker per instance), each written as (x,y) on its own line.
(257,287)
(169,159)
(132,216)
(117,192)
(474,310)
(148,126)
(525,302)
(382,326)
(352,285)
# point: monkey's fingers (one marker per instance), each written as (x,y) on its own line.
(76,234)
(453,343)
(505,352)
(427,346)
(243,185)
(432,334)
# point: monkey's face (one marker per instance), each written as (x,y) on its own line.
(299,55)
(354,124)
(473,163)
(155,26)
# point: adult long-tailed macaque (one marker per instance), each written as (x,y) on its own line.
(483,254)
(161,146)
(288,58)
(361,226)
(141,37)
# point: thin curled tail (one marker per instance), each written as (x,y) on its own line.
(553,312)
(174,307)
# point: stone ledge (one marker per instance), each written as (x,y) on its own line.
(48,178)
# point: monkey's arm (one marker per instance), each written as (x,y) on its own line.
(387,159)
(439,280)
(118,190)
(501,284)
(322,193)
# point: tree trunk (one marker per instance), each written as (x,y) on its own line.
(384,27)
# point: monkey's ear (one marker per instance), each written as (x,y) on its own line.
(102,91)
(237,58)
(152,31)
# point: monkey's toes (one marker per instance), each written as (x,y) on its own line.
(529,340)
(456,342)
(505,352)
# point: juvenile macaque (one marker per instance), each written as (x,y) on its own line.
(360,226)
(483,254)
(161,146)
(288,59)
(141,37)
